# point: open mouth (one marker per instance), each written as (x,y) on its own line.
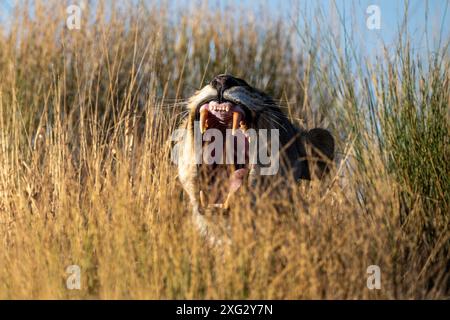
(222,116)
(222,178)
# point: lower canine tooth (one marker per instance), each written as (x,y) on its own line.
(243,126)
(203,117)
(236,120)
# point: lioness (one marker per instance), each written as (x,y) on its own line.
(230,105)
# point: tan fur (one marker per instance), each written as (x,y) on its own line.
(266,114)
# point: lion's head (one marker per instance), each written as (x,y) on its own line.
(230,108)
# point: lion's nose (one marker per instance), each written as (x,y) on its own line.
(223,82)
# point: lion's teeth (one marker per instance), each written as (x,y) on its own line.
(203,117)
(236,120)
(243,126)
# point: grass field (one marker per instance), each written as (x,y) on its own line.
(86,177)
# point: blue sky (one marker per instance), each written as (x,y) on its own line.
(426,19)
(352,12)
(420,27)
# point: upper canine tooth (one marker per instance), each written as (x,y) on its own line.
(236,120)
(203,117)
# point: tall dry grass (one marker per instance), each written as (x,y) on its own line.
(86,177)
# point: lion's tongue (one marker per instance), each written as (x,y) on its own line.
(237,179)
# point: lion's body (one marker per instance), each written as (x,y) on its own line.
(262,113)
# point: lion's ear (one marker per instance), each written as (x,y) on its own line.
(320,151)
